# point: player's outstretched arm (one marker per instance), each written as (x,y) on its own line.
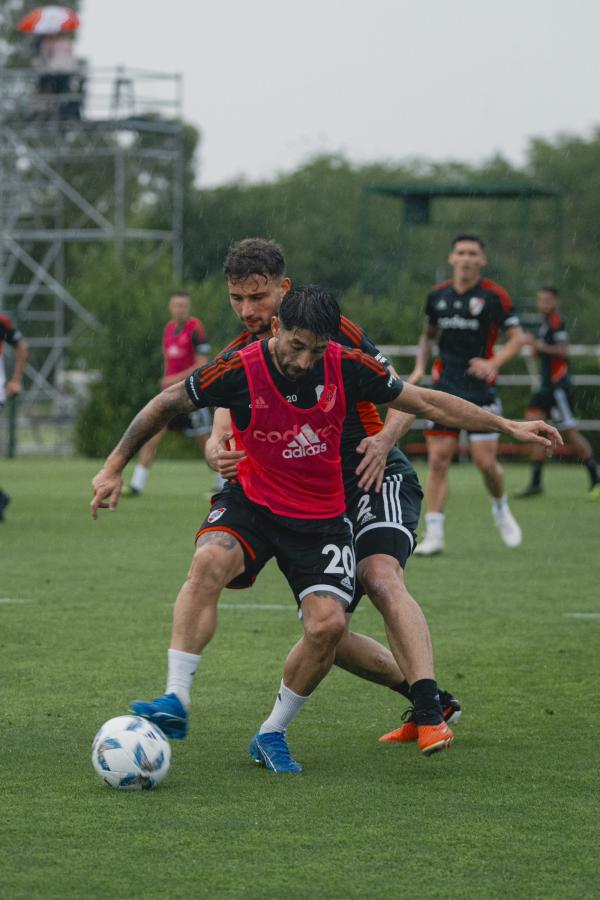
(458,413)
(108,483)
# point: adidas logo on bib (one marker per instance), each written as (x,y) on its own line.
(305,443)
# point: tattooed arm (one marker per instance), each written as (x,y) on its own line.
(108,483)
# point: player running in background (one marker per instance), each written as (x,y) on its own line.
(554,398)
(464,316)
(185,348)
(14,386)
(289,502)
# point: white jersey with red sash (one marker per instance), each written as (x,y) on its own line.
(293,464)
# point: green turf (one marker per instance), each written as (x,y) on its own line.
(510,811)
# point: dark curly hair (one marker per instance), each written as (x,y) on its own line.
(254,256)
(312,308)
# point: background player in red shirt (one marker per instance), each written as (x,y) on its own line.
(465,315)
(185,348)
(554,399)
(14,386)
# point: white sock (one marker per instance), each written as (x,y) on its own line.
(434,525)
(181,669)
(500,504)
(140,477)
(287,706)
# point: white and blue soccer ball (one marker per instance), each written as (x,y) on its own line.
(131,754)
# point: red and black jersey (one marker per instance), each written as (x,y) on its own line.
(469,325)
(8,332)
(222,382)
(362,417)
(553,330)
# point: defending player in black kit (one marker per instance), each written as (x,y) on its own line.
(465,315)
(554,399)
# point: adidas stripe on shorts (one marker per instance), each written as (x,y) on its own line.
(386,522)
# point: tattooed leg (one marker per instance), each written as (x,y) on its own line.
(218,559)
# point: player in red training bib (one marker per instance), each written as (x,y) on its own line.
(10,334)
(315,554)
(185,347)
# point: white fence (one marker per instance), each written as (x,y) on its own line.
(530,378)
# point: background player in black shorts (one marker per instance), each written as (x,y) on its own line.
(554,399)
(465,315)
(13,387)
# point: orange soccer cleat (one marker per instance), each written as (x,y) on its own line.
(434,737)
(409,732)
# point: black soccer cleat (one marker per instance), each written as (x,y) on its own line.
(532,490)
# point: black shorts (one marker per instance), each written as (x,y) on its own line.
(192,424)
(385,522)
(434,429)
(317,556)
(556,402)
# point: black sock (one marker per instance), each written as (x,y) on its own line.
(536,474)
(404,689)
(592,467)
(426,701)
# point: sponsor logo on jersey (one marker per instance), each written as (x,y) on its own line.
(306,443)
(441,304)
(260,403)
(327,398)
(274,437)
(347,583)
(476,304)
(215,514)
(459,322)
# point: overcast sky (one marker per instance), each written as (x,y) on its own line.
(272,82)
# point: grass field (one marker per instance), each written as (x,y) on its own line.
(512,810)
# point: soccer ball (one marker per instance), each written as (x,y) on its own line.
(131,753)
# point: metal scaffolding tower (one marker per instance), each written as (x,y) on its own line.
(74,169)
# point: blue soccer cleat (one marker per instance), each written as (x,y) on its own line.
(271,751)
(168,712)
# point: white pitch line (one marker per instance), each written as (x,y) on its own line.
(6,600)
(289,606)
(595,615)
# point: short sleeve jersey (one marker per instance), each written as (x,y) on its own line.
(8,332)
(469,325)
(553,330)
(222,382)
(362,417)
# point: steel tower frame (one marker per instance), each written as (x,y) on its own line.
(74,181)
